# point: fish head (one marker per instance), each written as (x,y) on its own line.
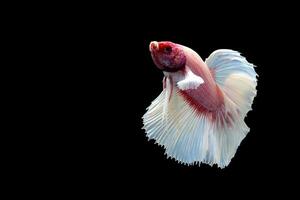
(167,56)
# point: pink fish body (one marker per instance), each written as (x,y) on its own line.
(199,116)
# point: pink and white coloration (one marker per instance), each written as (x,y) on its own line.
(199,115)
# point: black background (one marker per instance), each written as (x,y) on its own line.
(105,79)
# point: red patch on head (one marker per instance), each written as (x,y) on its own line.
(167,56)
(163,45)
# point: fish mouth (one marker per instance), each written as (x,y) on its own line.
(153,46)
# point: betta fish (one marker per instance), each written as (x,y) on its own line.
(199,115)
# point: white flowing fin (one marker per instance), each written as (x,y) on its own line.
(189,137)
(226,62)
(191,81)
(235,76)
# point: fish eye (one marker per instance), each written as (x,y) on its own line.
(168,49)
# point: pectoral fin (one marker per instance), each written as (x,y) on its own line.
(191,81)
